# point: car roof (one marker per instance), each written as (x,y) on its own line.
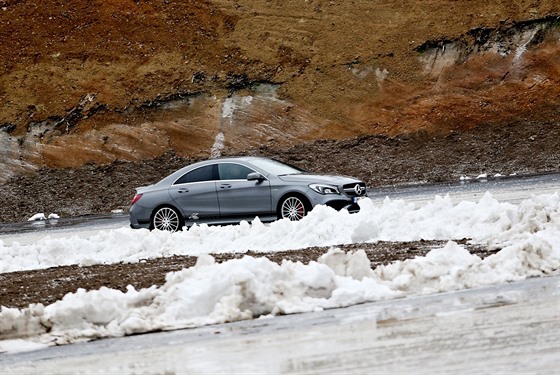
(173,176)
(227,159)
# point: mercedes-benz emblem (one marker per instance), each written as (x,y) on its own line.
(359,190)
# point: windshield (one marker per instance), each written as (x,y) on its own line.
(275,167)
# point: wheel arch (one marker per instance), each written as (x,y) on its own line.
(300,195)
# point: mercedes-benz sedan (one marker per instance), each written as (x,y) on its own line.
(229,190)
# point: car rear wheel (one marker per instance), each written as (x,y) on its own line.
(167,218)
(293,208)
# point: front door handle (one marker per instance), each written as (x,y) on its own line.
(225,186)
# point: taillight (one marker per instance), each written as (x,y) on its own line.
(135,199)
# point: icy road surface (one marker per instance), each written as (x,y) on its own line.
(507,329)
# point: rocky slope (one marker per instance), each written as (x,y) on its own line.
(91,85)
(379,160)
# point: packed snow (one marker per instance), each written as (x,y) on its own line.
(528,235)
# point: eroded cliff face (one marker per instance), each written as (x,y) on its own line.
(100,81)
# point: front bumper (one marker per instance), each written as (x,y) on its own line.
(338,202)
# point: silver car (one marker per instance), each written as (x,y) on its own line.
(229,190)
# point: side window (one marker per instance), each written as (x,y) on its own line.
(231,171)
(197,175)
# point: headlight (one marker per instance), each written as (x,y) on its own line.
(324,189)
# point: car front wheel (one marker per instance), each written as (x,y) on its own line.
(293,208)
(167,218)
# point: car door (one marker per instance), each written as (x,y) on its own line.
(195,194)
(240,198)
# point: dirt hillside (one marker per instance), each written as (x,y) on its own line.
(90,85)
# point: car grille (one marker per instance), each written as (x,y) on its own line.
(351,191)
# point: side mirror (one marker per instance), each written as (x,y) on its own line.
(255,176)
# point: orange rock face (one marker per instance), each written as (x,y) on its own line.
(100,81)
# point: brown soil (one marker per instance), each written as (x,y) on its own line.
(19,289)
(130,52)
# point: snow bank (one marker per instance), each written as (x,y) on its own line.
(488,222)
(251,287)
(207,293)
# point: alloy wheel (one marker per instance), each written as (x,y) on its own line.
(167,219)
(292,208)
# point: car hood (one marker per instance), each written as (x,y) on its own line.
(317,178)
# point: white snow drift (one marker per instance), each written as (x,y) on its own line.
(488,222)
(528,234)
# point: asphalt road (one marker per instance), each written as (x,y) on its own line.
(511,189)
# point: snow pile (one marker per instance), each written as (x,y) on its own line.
(487,222)
(251,287)
(207,293)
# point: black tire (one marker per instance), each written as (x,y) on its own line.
(293,207)
(167,218)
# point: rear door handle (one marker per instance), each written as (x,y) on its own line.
(183,190)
